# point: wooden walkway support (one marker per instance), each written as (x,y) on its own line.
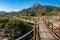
(59,28)
(35,33)
(59,32)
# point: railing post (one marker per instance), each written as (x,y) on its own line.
(59,31)
(52,25)
(59,28)
(35,36)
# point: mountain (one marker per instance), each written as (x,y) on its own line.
(38,9)
(3,12)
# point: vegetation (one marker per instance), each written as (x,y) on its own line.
(2,23)
(37,10)
(14,28)
(3,20)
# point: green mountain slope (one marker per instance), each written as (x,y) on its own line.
(38,9)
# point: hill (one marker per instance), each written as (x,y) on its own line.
(36,10)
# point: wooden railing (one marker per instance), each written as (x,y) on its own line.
(54,28)
(35,28)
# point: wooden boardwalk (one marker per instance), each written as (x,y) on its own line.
(45,33)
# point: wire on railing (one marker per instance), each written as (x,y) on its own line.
(25,35)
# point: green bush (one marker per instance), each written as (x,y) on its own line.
(18,27)
(11,24)
(2,25)
(3,20)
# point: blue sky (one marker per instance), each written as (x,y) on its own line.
(17,5)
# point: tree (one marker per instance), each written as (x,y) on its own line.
(43,14)
(27,12)
(2,25)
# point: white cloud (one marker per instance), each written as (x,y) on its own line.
(7,8)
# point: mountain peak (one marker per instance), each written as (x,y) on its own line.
(36,5)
